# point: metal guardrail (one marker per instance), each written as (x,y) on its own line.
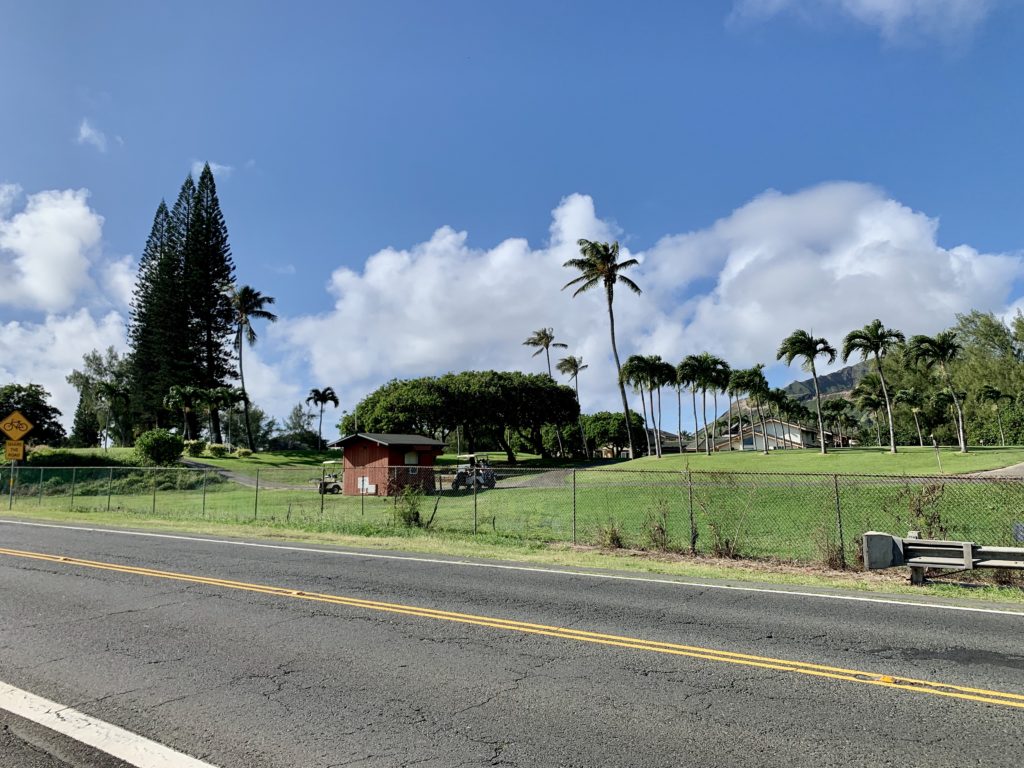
(883,550)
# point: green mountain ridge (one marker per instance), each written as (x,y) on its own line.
(830,384)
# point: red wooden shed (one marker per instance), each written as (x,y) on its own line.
(381,464)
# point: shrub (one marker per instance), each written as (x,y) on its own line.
(657,526)
(217,450)
(407,506)
(158,447)
(243,453)
(195,447)
(610,536)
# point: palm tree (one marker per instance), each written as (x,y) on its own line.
(800,343)
(941,350)
(544,339)
(911,398)
(735,389)
(720,374)
(686,376)
(989,394)
(875,340)
(709,370)
(833,411)
(248,304)
(942,401)
(184,398)
(571,366)
(636,373)
(662,375)
(756,387)
(322,397)
(868,397)
(599,265)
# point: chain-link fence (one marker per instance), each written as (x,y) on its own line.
(805,518)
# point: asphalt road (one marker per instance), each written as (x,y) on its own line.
(244,678)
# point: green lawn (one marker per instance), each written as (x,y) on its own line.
(859,461)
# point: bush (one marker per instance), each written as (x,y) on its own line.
(657,526)
(610,536)
(158,447)
(407,506)
(217,450)
(243,453)
(195,447)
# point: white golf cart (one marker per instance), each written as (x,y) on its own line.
(332,476)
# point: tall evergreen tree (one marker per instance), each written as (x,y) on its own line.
(208,274)
(85,431)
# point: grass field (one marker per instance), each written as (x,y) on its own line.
(862,461)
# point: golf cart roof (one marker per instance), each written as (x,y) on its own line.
(332,461)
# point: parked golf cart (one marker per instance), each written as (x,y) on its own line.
(331,480)
(476,471)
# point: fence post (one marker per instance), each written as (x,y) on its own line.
(206,474)
(73,488)
(693,520)
(256,503)
(473,478)
(574,505)
(110,483)
(839,524)
(153,473)
(41,470)
(10,500)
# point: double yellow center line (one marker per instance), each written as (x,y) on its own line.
(564,633)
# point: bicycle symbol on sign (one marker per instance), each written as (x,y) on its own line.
(15,425)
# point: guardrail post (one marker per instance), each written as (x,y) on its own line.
(110,483)
(916,571)
(839,523)
(10,500)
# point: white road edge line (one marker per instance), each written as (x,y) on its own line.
(124,745)
(527,568)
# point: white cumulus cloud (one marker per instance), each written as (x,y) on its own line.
(218,169)
(89,134)
(46,250)
(830,258)
(894,19)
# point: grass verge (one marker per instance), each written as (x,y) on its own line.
(559,554)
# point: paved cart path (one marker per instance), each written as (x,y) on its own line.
(277,655)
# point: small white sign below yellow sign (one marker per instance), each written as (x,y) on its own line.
(15,425)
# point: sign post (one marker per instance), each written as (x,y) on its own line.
(15,426)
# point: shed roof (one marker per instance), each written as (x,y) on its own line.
(384,438)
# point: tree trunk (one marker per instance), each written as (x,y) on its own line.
(704,409)
(583,433)
(558,431)
(320,428)
(999,418)
(696,424)
(878,429)
(729,395)
(647,429)
(618,368)
(764,427)
(817,397)
(739,418)
(656,425)
(245,397)
(679,417)
(714,424)
(961,427)
(917,425)
(888,405)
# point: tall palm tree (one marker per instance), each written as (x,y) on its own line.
(875,340)
(911,398)
(720,373)
(709,370)
(248,304)
(756,387)
(544,339)
(800,343)
(989,394)
(636,372)
(663,374)
(183,398)
(686,376)
(941,350)
(321,397)
(571,366)
(599,265)
(868,397)
(942,401)
(735,389)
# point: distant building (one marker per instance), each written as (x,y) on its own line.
(381,464)
(779,435)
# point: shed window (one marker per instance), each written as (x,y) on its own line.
(412,458)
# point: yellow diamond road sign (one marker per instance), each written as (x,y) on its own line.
(15,426)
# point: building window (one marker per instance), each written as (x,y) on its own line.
(412,458)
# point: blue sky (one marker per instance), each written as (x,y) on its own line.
(406,178)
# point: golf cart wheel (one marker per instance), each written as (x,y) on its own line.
(335,489)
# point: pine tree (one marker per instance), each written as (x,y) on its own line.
(85,431)
(208,275)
